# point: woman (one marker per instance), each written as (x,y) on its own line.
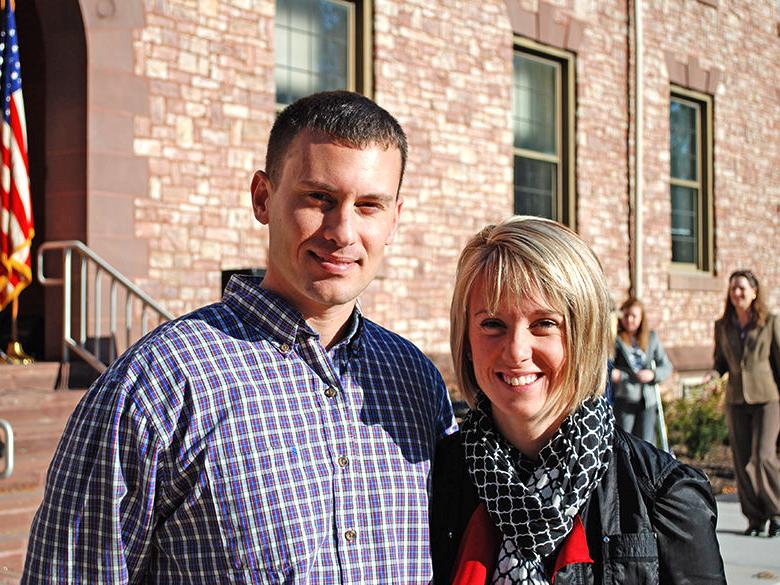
(640,363)
(539,484)
(747,346)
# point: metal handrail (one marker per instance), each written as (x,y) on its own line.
(117,280)
(8,449)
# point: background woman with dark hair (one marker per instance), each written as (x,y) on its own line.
(747,346)
(640,363)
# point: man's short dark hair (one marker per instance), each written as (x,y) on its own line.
(345,116)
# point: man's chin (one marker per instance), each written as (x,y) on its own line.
(330,294)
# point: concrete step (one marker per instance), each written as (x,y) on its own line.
(38,415)
(40,375)
(17,509)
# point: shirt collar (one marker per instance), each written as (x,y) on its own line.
(353,333)
(267,311)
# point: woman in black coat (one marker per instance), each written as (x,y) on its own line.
(540,484)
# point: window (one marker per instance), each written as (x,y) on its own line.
(543,122)
(690,144)
(321,45)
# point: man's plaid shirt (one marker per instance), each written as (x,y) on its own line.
(229,447)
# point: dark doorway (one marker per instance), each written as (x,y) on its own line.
(53,56)
(31,57)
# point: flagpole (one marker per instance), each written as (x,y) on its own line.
(14,353)
(14,316)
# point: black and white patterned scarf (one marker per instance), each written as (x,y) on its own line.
(534,503)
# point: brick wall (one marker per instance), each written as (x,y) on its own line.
(444,69)
(742,42)
(211,105)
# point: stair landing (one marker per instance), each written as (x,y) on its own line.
(38,415)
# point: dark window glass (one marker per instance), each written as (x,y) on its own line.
(313,47)
(683,141)
(536,193)
(690,162)
(684,224)
(535,97)
(540,109)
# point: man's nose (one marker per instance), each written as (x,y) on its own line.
(339,225)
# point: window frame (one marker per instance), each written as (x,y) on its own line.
(360,56)
(565,206)
(705,240)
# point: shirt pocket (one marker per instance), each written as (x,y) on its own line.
(265,512)
(631,558)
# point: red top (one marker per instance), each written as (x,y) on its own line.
(481,541)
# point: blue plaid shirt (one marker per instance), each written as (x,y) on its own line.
(228,446)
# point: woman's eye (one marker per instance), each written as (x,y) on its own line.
(547,324)
(491,324)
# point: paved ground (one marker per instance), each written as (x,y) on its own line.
(38,415)
(749,560)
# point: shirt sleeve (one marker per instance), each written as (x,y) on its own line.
(684,517)
(774,350)
(97,514)
(663,365)
(445,423)
(621,365)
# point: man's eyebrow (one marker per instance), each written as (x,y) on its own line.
(317,185)
(327,187)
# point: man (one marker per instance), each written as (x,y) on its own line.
(278,436)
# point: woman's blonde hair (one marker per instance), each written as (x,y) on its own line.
(532,257)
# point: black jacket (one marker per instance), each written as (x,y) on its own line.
(650,520)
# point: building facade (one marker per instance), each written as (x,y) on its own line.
(651,127)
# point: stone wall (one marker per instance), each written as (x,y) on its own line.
(444,69)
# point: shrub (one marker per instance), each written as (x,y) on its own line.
(696,420)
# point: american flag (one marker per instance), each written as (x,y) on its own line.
(16,221)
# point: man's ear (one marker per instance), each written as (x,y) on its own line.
(261,191)
(399,203)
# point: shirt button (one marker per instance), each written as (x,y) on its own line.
(331,392)
(343,461)
(284,348)
(350,535)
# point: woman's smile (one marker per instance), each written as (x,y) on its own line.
(517,353)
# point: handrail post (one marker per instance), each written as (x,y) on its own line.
(144,320)
(98,311)
(9,449)
(83,304)
(112,325)
(128,318)
(89,260)
(66,301)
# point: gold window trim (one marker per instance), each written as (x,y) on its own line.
(565,204)
(705,173)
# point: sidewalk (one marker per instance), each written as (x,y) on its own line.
(749,560)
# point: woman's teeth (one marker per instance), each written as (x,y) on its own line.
(519,380)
